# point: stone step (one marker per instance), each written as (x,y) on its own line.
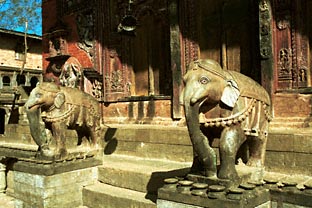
(149,141)
(139,174)
(102,195)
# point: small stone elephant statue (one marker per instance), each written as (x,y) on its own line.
(62,108)
(229,106)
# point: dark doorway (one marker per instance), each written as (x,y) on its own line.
(2,120)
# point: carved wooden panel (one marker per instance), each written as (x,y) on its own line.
(138,63)
(228,33)
(265,44)
(291,44)
(188,24)
(71,6)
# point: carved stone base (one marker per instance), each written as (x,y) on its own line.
(47,168)
(46,184)
(196,191)
(246,174)
(258,197)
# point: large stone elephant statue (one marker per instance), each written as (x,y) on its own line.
(229,106)
(62,108)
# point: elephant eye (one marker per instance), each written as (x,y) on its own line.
(38,95)
(204,80)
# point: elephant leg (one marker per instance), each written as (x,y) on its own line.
(257,148)
(230,141)
(58,132)
(93,138)
(257,145)
(197,165)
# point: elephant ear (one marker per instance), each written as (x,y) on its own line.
(230,94)
(59,99)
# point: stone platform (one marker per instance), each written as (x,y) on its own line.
(212,196)
(47,184)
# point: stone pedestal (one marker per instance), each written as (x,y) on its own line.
(2,177)
(170,197)
(44,184)
(195,191)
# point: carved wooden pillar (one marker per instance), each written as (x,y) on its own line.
(175,51)
(188,25)
(291,44)
(266,49)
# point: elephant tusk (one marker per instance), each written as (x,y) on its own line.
(203,101)
(200,101)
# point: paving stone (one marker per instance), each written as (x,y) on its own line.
(102,195)
(139,174)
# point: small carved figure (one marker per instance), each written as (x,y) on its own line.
(235,109)
(62,108)
(71,73)
(67,72)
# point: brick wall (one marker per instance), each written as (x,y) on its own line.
(7,50)
(49,20)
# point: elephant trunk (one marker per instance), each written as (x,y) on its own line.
(204,155)
(37,131)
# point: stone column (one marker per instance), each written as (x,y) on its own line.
(2,177)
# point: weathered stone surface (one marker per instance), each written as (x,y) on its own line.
(149,133)
(156,111)
(139,174)
(286,149)
(303,142)
(292,199)
(106,196)
(248,199)
(6,201)
(147,141)
(289,151)
(42,167)
(180,153)
(292,105)
(170,204)
(280,141)
(59,190)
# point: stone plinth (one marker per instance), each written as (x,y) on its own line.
(196,191)
(49,185)
(170,197)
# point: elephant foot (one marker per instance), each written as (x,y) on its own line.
(254,162)
(61,154)
(199,168)
(210,173)
(228,173)
(45,154)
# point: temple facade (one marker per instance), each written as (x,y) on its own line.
(133,54)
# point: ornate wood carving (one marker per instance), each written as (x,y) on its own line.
(85,25)
(117,52)
(189,30)
(86,19)
(265,29)
(291,44)
(266,45)
(175,53)
(71,6)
